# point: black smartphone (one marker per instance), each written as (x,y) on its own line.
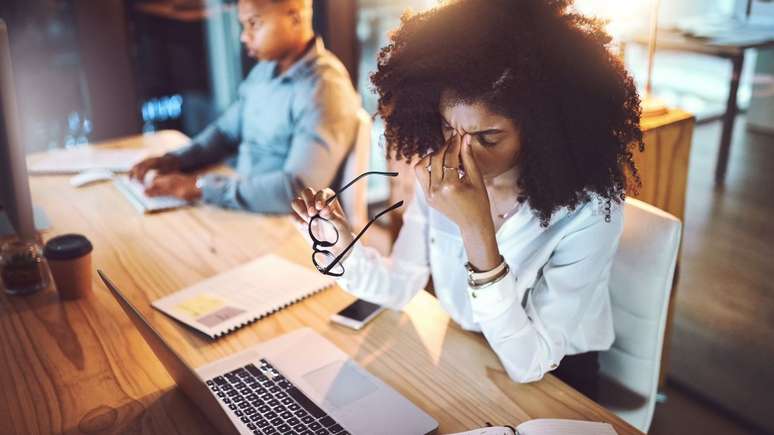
(357,314)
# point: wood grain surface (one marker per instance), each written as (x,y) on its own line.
(81,367)
(663,166)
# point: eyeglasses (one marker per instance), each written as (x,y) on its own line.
(324,234)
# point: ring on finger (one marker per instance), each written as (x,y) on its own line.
(460,171)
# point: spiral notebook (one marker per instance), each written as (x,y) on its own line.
(230,300)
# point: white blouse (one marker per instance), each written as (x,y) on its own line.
(555,301)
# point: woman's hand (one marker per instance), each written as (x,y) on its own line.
(311,202)
(462,199)
(453,185)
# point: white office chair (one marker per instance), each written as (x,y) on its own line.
(640,285)
(354,200)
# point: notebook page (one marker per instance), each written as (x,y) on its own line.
(491,430)
(232,299)
(550,426)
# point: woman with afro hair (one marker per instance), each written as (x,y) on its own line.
(520,126)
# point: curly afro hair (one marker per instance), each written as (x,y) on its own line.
(537,62)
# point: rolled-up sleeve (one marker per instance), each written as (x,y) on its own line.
(325,126)
(529,329)
(217,141)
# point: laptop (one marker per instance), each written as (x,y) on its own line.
(298,383)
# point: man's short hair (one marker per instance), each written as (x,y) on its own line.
(302,3)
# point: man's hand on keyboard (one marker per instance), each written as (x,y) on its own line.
(179,185)
(165,164)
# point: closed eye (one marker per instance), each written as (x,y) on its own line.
(485,140)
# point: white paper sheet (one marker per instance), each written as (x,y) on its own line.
(75,160)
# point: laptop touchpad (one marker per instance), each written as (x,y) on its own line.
(340,383)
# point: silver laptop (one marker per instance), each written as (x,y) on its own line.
(298,383)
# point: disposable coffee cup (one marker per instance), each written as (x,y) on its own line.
(69,258)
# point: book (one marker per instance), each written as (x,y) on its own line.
(547,426)
(230,300)
(134,191)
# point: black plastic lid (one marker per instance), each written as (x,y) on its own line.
(67,247)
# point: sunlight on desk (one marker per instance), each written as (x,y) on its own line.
(430,322)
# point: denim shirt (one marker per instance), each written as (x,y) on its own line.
(288,130)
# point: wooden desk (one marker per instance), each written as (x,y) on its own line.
(663,166)
(81,367)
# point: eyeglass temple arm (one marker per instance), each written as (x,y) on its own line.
(364,174)
(360,234)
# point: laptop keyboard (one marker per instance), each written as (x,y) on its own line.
(269,404)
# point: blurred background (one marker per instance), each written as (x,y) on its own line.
(89,71)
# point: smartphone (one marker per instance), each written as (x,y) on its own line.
(357,314)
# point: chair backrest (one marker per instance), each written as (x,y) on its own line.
(354,200)
(640,285)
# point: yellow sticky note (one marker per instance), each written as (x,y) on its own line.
(200,304)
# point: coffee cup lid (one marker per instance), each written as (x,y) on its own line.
(67,247)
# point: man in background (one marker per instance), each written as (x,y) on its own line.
(293,124)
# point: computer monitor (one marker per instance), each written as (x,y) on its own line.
(15,203)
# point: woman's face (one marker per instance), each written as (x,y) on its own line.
(495,139)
